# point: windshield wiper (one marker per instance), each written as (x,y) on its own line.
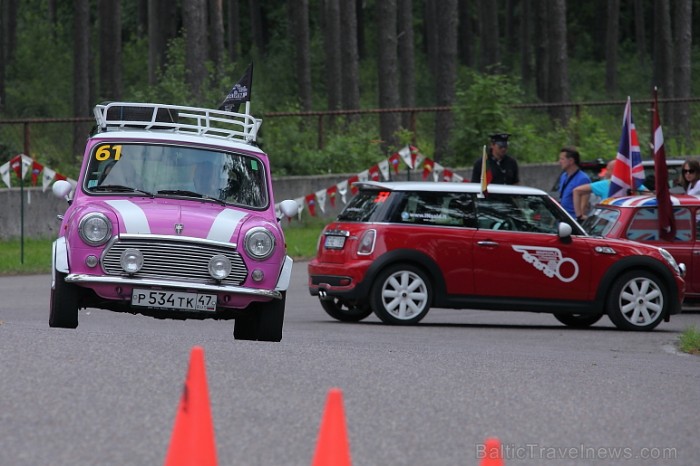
(119,188)
(184,192)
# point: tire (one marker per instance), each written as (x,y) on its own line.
(402,295)
(578,320)
(340,310)
(637,301)
(65,299)
(263,322)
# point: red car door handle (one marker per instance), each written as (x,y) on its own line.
(487,243)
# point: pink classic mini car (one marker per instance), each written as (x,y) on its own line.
(173,217)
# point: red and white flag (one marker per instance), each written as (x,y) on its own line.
(667,222)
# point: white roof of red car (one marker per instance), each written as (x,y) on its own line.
(446,187)
(650,200)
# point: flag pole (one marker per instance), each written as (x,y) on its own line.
(21,211)
(484,181)
(633,190)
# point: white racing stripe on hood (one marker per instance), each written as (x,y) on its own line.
(225,224)
(133,216)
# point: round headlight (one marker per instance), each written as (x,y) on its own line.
(131,260)
(95,229)
(259,243)
(219,267)
(671,261)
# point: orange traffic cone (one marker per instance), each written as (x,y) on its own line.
(192,442)
(332,448)
(492,453)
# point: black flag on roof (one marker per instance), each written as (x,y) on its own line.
(240,92)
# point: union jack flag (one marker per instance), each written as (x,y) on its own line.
(645,226)
(628,173)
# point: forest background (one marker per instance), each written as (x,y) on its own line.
(341,84)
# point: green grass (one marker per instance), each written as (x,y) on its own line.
(301,245)
(690,340)
(302,236)
(35,260)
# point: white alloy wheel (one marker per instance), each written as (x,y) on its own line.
(401,295)
(636,301)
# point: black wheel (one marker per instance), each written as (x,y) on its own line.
(340,310)
(637,301)
(263,322)
(401,295)
(578,320)
(65,298)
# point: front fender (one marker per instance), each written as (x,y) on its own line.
(646,263)
(285,275)
(59,255)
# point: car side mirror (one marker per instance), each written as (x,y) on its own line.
(289,207)
(62,189)
(564,231)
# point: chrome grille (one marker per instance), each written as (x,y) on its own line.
(176,260)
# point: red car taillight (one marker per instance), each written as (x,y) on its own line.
(366,245)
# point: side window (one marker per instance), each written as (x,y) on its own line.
(601,221)
(445,209)
(645,226)
(494,212)
(363,206)
(528,213)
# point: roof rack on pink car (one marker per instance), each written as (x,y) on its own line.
(115,116)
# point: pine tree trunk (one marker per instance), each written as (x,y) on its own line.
(194,20)
(110,20)
(663,66)
(387,68)
(490,37)
(350,84)
(3,58)
(300,19)
(157,39)
(331,42)
(542,49)
(430,34)
(216,33)
(611,45)
(234,30)
(10,27)
(81,69)
(525,43)
(682,68)
(446,75)
(407,72)
(639,32)
(558,65)
(256,26)
(466,33)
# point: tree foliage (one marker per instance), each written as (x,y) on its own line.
(39,77)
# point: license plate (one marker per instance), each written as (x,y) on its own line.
(334,242)
(173,300)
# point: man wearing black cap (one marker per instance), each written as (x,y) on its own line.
(503,168)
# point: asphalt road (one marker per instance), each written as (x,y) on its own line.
(107,393)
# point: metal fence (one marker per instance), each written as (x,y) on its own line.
(52,140)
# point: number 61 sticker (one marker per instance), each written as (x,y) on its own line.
(107,152)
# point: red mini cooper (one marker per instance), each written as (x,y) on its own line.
(635,218)
(400,248)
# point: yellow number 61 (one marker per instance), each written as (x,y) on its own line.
(106,152)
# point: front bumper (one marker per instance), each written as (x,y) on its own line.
(150,282)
